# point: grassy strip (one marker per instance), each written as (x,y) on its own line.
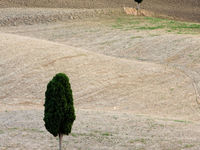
(150,23)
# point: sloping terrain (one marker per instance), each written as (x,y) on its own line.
(135,80)
(99,81)
(179,9)
(174,44)
(110,94)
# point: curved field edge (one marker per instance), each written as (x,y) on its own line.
(99,82)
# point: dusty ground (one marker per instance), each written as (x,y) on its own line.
(133,88)
(179,9)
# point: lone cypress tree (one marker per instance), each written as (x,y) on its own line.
(138,2)
(59,113)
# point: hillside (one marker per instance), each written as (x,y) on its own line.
(135,79)
(179,9)
(146,103)
(108,82)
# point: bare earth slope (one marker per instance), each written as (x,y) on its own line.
(99,81)
(30,16)
(135,87)
(180,9)
(143,97)
(180,51)
(105,88)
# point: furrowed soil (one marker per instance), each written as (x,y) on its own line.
(178,9)
(135,80)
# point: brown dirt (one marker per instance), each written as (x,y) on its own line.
(178,9)
(98,130)
(109,95)
(30,16)
(125,79)
(137,94)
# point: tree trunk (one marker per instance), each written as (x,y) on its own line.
(60,141)
(138,8)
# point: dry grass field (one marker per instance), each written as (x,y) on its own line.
(135,79)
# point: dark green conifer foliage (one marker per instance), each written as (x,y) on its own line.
(59,113)
(138,1)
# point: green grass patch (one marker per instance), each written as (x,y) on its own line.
(136,37)
(33,130)
(139,140)
(150,27)
(153,35)
(154,20)
(117,26)
(1,132)
(190,55)
(83,134)
(151,23)
(106,134)
(108,42)
(12,129)
(181,121)
(74,135)
(189,146)
(180,25)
